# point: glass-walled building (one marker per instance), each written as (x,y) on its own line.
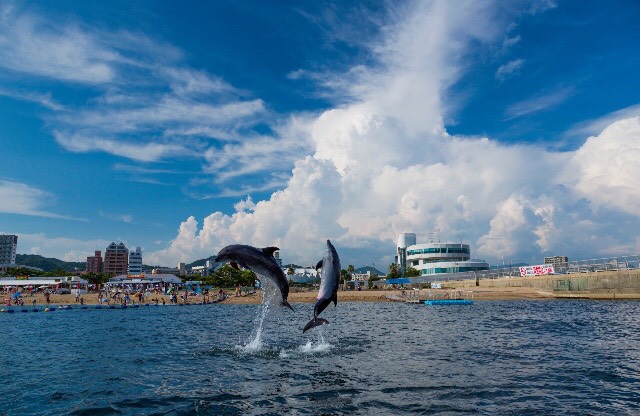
(436,258)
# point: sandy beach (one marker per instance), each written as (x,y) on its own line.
(478,293)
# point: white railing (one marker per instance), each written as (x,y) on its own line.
(578,266)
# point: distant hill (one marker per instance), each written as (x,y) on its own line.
(365,269)
(49,264)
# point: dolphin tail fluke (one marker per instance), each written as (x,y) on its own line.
(285,303)
(313,323)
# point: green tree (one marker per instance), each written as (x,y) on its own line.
(372,279)
(227,276)
(350,270)
(21,271)
(345,276)
(412,272)
(393,271)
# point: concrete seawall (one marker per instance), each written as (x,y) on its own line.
(621,284)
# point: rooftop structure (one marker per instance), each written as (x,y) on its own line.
(165,270)
(37,281)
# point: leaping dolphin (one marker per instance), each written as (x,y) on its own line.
(260,261)
(329,283)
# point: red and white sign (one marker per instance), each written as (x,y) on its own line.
(539,270)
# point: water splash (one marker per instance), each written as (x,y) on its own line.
(321,345)
(255,342)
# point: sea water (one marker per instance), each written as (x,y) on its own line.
(514,357)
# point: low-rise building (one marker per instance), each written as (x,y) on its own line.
(561,261)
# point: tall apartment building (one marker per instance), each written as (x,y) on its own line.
(135,262)
(94,263)
(8,245)
(116,259)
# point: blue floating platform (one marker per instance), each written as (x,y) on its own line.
(449,302)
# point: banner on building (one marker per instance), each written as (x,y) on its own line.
(539,270)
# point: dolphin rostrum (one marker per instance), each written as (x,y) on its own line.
(260,261)
(329,283)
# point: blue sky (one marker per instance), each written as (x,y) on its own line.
(183,129)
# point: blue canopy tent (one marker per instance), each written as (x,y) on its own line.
(399,281)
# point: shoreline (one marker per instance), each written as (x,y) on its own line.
(476,293)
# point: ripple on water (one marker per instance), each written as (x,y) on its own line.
(490,358)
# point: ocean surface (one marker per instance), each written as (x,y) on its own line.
(512,357)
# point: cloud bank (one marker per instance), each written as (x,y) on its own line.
(378,163)
(384,164)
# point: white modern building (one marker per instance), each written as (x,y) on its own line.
(276,256)
(135,262)
(302,275)
(436,258)
(209,267)
(8,245)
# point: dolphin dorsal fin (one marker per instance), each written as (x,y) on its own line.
(319,265)
(270,250)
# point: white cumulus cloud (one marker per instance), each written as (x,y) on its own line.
(384,164)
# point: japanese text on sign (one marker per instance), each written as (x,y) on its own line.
(539,270)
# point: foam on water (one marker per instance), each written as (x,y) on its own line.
(319,346)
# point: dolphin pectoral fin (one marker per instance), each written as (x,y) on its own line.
(285,303)
(319,265)
(314,323)
(335,299)
(268,251)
